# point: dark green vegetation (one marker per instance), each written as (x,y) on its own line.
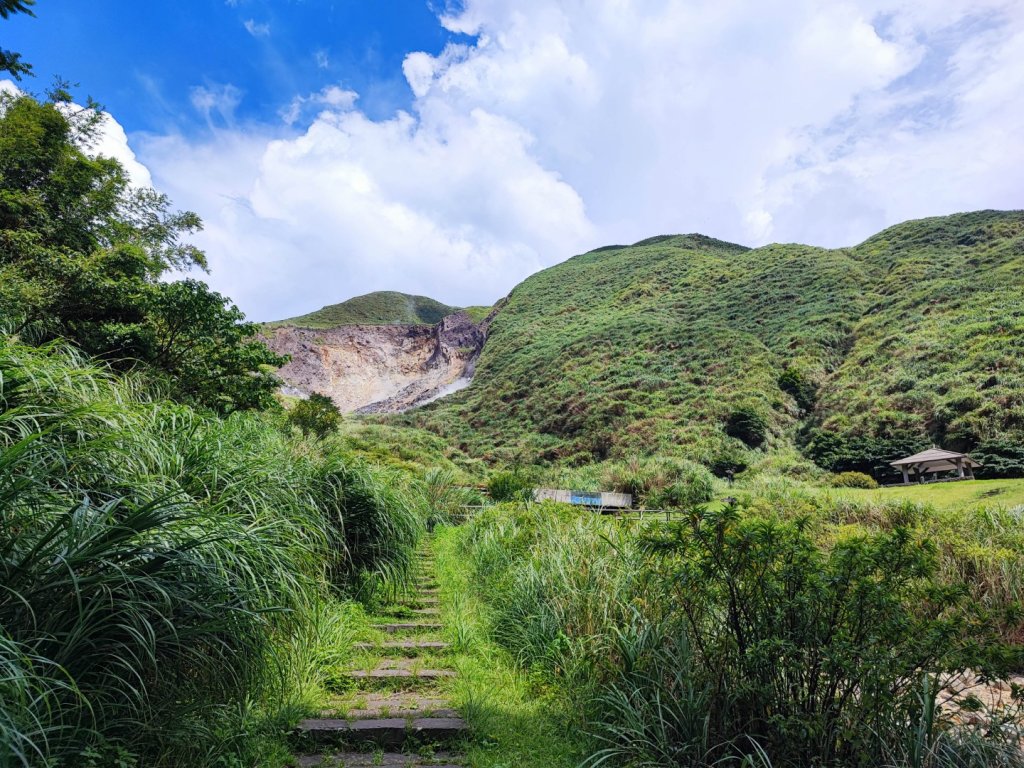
(691,346)
(378,308)
(774,632)
(83,254)
(316,415)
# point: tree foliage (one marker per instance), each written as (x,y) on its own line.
(316,415)
(9,60)
(84,254)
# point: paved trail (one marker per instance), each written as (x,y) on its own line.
(394,712)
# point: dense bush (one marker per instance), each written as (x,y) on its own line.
(1000,458)
(839,452)
(510,485)
(316,415)
(797,384)
(747,424)
(853,480)
(660,482)
(804,654)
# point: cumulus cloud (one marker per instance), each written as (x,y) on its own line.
(564,125)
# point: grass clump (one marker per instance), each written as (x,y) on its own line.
(853,480)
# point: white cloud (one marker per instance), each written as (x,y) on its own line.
(113,142)
(256,29)
(568,124)
(332,96)
(321,58)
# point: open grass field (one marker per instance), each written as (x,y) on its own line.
(964,495)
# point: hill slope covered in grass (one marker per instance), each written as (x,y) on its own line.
(377,308)
(692,346)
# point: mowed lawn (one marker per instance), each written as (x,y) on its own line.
(959,495)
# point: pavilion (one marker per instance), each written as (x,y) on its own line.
(936,460)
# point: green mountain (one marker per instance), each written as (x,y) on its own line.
(691,346)
(377,308)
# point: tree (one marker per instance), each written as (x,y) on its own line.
(317,415)
(83,255)
(9,60)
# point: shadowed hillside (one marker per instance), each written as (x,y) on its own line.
(692,346)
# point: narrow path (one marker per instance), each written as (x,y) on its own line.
(394,710)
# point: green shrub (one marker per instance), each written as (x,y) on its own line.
(692,485)
(738,639)
(852,480)
(814,657)
(748,425)
(317,415)
(660,481)
(1000,458)
(514,485)
(798,385)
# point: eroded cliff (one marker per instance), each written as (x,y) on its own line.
(381,368)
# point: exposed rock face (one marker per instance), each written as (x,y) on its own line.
(381,368)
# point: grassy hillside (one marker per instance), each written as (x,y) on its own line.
(692,346)
(378,308)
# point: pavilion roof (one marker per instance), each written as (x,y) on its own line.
(933,456)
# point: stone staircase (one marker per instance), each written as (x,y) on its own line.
(394,712)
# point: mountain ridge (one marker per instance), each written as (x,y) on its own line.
(690,345)
(375,308)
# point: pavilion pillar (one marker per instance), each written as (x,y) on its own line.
(960,467)
(906,477)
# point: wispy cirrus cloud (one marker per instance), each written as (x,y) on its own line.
(216,99)
(256,29)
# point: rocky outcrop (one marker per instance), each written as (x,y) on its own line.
(381,368)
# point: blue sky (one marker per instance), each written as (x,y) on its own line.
(141,59)
(336,148)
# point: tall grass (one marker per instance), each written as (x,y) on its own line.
(158,566)
(649,648)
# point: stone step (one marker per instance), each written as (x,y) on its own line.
(384,732)
(366,705)
(400,674)
(403,645)
(420,602)
(426,611)
(400,626)
(385,760)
